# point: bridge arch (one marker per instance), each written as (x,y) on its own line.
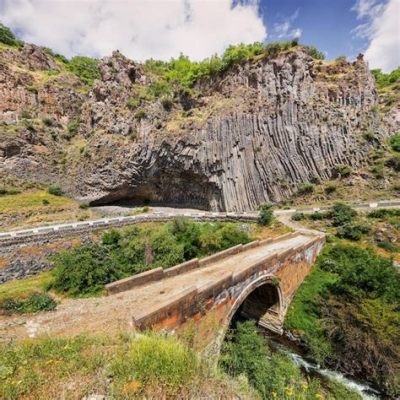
(262,299)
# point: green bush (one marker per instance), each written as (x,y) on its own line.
(352,232)
(155,361)
(7,37)
(34,303)
(330,188)
(72,129)
(111,238)
(361,272)
(85,68)
(318,215)
(388,246)
(314,52)
(298,216)
(383,213)
(395,142)
(394,162)
(49,122)
(273,375)
(384,80)
(343,170)
(55,190)
(140,114)
(342,214)
(305,188)
(266,215)
(84,270)
(133,103)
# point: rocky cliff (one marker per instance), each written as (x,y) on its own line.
(249,135)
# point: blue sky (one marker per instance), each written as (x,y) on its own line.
(326,24)
(162,29)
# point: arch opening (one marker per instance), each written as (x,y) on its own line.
(261,303)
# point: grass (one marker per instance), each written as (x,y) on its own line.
(302,315)
(122,367)
(37,207)
(21,288)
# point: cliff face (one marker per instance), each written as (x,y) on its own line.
(253,135)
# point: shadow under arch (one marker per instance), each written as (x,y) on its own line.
(261,300)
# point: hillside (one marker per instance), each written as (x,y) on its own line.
(233,133)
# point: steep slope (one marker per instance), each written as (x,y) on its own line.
(245,136)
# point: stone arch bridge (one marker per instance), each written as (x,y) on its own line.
(257,280)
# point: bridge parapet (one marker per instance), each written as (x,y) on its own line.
(158,273)
(283,269)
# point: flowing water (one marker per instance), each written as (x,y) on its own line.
(312,369)
(365,391)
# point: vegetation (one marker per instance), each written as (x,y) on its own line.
(346,309)
(8,38)
(154,361)
(383,80)
(266,215)
(85,68)
(145,366)
(33,303)
(55,190)
(85,270)
(395,142)
(272,374)
(305,188)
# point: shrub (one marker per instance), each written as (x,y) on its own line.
(305,188)
(271,374)
(352,232)
(55,190)
(84,270)
(342,214)
(266,215)
(395,142)
(378,170)
(330,188)
(48,122)
(7,37)
(167,102)
(298,216)
(314,52)
(34,303)
(45,202)
(383,80)
(72,129)
(343,170)
(26,114)
(84,206)
(369,136)
(155,361)
(140,114)
(85,68)
(388,246)
(383,213)
(394,162)
(318,216)
(133,103)
(361,272)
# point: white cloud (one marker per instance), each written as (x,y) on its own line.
(382,30)
(140,29)
(285,28)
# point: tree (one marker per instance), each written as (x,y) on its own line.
(266,215)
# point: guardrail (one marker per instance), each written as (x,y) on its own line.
(78,227)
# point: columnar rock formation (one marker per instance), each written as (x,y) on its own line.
(252,135)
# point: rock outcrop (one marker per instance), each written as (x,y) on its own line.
(253,134)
